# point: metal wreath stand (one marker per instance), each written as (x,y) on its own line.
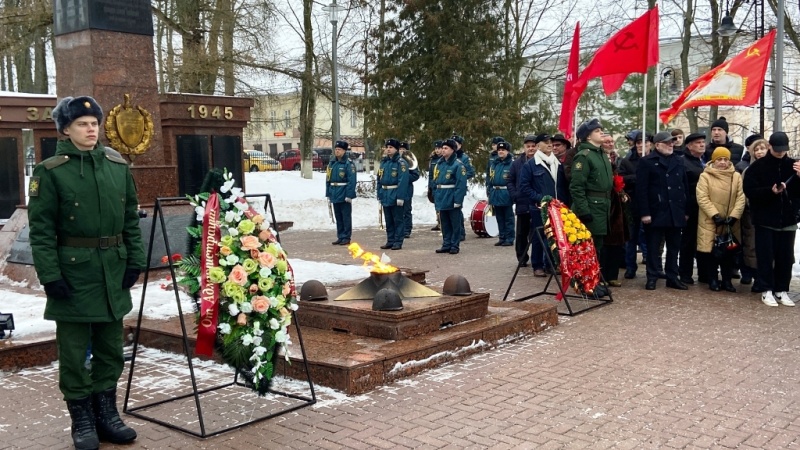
(135,410)
(596,301)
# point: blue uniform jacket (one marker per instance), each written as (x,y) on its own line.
(467,164)
(393,180)
(661,186)
(413,175)
(431,167)
(450,177)
(340,181)
(536,182)
(522,203)
(497,181)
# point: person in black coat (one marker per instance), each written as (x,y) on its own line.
(719,138)
(661,186)
(522,205)
(772,185)
(627,169)
(694,149)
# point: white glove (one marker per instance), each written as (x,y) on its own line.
(348,200)
(456,205)
(400,202)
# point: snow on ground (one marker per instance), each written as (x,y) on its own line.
(303,201)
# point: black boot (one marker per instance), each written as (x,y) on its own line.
(84,435)
(727,285)
(109,425)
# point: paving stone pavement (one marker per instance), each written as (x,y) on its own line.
(661,369)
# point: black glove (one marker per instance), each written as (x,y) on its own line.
(730,221)
(130,277)
(718,220)
(586,218)
(58,289)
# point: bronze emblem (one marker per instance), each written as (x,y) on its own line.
(129,129)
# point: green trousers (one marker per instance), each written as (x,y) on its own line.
(75,380)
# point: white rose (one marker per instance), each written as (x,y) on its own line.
(281,335)
(265,272)
(224,328)
(293,306)
(233,232)
(232,259)
(247,340)
(257,340)
(273,302)
(246,307)
(233,310)
(273,324)
(230,216)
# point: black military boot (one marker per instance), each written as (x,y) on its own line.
(109,425)
(84,435)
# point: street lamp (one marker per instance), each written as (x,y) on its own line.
(333,10)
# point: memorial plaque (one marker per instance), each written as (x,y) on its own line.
(21,248)
(9,177)
(227,153)
(192,163)
(176,233)
(124,16)
(48,146)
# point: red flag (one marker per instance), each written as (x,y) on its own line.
(737,81)
(570,100)
(209,292)
(632,50)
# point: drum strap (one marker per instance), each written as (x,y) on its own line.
(445,186)
(338,184)
(500,187)
(394,186)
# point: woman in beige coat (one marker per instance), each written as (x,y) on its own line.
(721,200)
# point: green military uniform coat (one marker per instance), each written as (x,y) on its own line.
(85,194)
(591,185)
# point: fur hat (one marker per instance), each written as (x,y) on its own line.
(342,145)
(404,144)
(586,128)
(458,139)
(450,143)
(498,139)
(438,144)
(71,108)
(504,146)
(722,122)
(392,143)
(720,152)
(752,138)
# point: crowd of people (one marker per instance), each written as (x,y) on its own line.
(683,201)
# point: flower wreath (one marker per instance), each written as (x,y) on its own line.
(244,282)
(571,246)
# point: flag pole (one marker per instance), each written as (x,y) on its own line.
(644,115)
(658,92)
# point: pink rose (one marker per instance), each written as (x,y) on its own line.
(260,304)
(287,289)
(253,288)
(238,275)
(250,242)
(225,250)
(254,253)
(264,235)
(266,260)
(241,319)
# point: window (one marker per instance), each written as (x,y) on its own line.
(273,120)
(273,150)
(285,145)
(353,119)
(287,120)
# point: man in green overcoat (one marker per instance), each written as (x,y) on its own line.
(591,184)
(88,253)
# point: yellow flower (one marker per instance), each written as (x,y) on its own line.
(564,210)
(572,238)
(572,216)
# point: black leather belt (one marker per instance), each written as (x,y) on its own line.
(82,242)
(604,194)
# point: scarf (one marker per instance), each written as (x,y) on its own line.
(549,162)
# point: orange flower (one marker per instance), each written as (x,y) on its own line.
(286,289)
(250,242)
(238,275)
(164,259)
(260,304)
(257,219)
(254,254)
(266,260)
(241,319)
(225,250)
(265,235)
(253,288)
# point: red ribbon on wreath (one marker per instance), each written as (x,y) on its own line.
(209,292)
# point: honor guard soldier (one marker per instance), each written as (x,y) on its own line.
(499,197)
(88,253)
(413,175)
(435,156)
(393,185)
(464,158)
(591,185)
(450,177)
(492,156)
(340,188)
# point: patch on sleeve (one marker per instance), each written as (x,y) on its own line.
(33,187)
(578,166)
(464,171)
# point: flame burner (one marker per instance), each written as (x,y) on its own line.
(394,281)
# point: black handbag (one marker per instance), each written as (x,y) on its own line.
(725,244)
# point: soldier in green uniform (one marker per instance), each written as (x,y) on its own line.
(88,253)
(591,185)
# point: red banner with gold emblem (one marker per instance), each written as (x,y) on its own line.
(209,292)
(737,81)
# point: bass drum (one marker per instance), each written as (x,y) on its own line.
(483,223)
